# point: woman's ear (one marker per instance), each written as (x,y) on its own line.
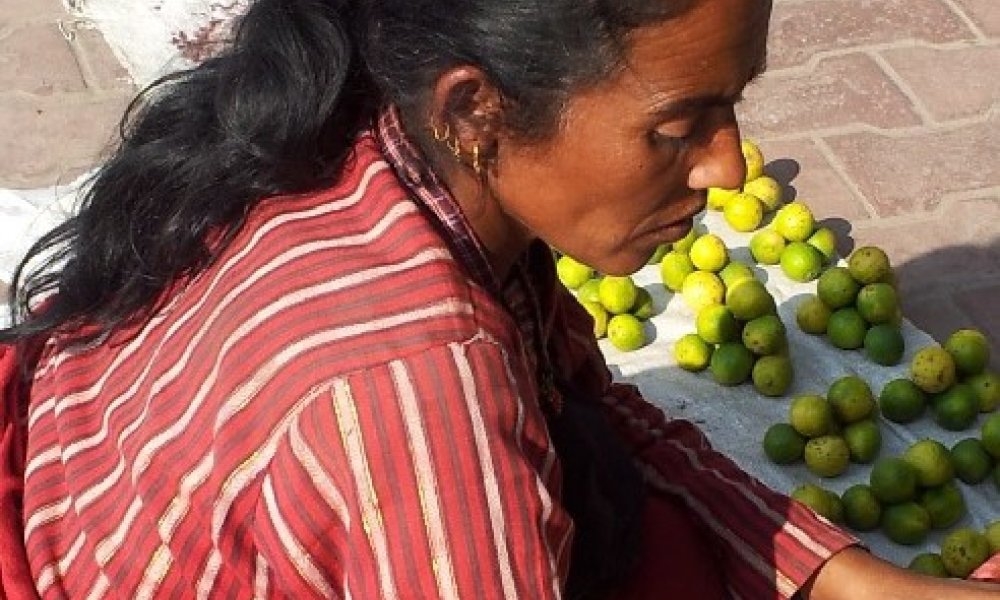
(465,112)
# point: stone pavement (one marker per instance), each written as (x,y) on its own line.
(883,115)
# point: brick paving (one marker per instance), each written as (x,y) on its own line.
(883,115)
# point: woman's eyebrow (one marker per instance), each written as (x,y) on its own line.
(674,108)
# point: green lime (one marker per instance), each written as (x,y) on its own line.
(734,272)
(963,550)
(692,353)
(884,344)
(590,291)
(643,308)
(719,197)
(972,462)
(816,498)
(658,254)
(617,294)
(753,158)
(767,246)
(684,244)
(744,212)
(847,328)
(701,289)
(572,273)
(731,363)
(812,315)
(625,332)
(932,462)
(893,480)
(811,415)
(992,533)
(836,507)
(600,316)
(970,350)
(906,523)
(851,399)
(772,375)
(990,435)
(674,268)
(801,262)
(824,240)
(709,253)
(877,303)
(767,190)
(783,445)
(795,222)
(928,563)
(716,324)
(764,335)
(944,503)
(956,408)
(933,369)
(749,299)
(837,288)
(862,509)
(869,264)
(901,401)
(864,440)
(987,388)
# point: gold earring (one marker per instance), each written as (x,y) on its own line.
(455,146)
(440,135)
(478,168)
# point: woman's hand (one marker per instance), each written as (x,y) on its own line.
(854,574)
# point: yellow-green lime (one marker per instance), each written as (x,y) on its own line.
(617,293)
(749,299)
(972,462)
(735,271)
(812,315)
(744,212)
(901,401)
(764,335)
(884,344)
(811,415)
(692,353)
(625,332)
(956,408)
(893,480)
(970,350)
(837,288)
(992,533)
(709,253)
(572,273)
(944,503)
(767,190)
(990,435)
(716,324)
(928,563)
(864,440)
(987,388)
(643,308)
(817,498)
(906,523)
(801,262)
(877,303)
(827,455)
(795,221)
(600,316)
(932,462)
(731,363)
(862,509)
(772,375)
(684,244)
(932,369)
(675,266)
(824,240)
(658,254)
(869,264)
(963,550)
(719,197)
(851,399)
(846,328)
(590,291)
(753,158)
(766,246)
(783,445)
(701,289)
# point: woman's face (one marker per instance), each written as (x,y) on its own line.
(634,156)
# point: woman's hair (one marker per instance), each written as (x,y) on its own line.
(275,113)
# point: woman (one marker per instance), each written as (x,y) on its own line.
(304,337)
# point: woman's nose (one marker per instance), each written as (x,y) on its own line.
(720,162)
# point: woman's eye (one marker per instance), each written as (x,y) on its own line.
(669,138)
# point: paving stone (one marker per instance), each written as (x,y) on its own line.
(935,73)
(801,29)
(901,174)
(18,11)
(840,91)
(984,13)
(36,58)
(100,67)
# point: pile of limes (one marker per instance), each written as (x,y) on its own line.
(962,552)
(795,243)
(744,209)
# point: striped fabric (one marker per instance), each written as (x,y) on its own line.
(335,409)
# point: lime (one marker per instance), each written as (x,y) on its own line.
(893,480)
(643,308)
(674,268)
(869,264)
(684,244)
(862,509)
(847,328)
(836,507)
(933,369)
(795,222)
(658,254)
(928,563)
(864,440)
(956,408)
(783,445)
(816,498)
(590,291)
(990,435)
(625,332)
(772,375)
(992,533)
(987,388)
(617,294)
(932,462)
(884,344)
(970,350)
(716,324)
(811,415)
(766,189)
(749,299)
(764,335)
(719,197)
(906,523)
(801,262)
(851,399)
(836,288)
(824,240)
(766,246)
(701,289)
(692,353)
(744,212)
(901,401)
(812,315)
(944,504)
(731,363)
(753,158)
(972,462)
(963,550)
(709,253)
(572,273)
(735,271)
(600,316)
(877,303)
